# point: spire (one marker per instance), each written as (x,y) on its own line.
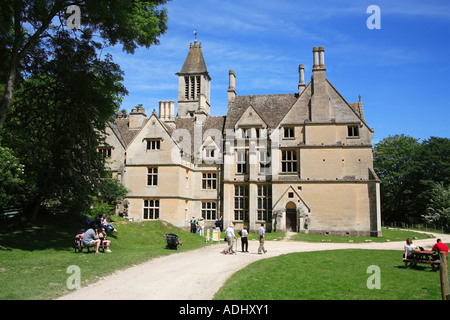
(194,83)
(195,63)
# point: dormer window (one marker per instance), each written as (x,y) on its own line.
(209,152)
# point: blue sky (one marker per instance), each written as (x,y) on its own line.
(401,71)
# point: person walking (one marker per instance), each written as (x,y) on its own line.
(230,236)
(261,236)
(244,239)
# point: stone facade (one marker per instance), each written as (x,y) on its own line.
(299,161)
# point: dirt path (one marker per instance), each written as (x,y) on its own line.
(198,274)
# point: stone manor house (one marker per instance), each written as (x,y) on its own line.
(298,162)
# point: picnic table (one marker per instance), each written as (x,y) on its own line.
(424,257)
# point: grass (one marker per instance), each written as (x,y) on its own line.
(389,234)
(34,258)
(331,275)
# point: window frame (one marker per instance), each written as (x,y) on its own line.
(291,164)
(241,202)
(289,132)
(151,209)
(265,161)
(153,145)
(353,131)
(106,152)
(209,210)
(209,180)
(152,176)
(241,164)
(264,203)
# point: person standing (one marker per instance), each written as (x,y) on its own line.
(244,239)
(230,236)
(201,226)
(261,236)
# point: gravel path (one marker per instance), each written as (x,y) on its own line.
(198,274)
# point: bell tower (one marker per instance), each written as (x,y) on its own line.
(194,84)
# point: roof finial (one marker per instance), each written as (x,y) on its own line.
(195,36)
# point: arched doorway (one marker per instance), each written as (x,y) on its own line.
(291,217)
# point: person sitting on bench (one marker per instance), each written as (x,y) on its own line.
(439,247)
(91,238)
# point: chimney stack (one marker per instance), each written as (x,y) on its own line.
(301,81)
(319,58)
(167,110)
(315,57)
(320,105)
(137,117)
(231,86)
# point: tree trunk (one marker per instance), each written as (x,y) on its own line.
(35,207)
(8,95)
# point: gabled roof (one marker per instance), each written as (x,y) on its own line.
(126,134)
(116,132)
(189,124)
(195,63)
(271,108)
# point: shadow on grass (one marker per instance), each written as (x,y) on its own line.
(417,267)
(47,233)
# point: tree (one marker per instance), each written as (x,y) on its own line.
(26,25)
(438,209)
(57,122)
(393,159)
(409,172)
(431,166)
(12,182)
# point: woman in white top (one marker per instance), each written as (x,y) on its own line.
(409,247)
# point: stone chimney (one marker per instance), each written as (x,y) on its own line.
(320,105)
(167,110)
(137,117)
(231,86)
(301,81)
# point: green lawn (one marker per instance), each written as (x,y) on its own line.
(34,260)
(331,275)
(389,234)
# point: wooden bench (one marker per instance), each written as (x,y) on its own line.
(79,246)
(423,257)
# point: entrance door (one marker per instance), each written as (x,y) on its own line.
(291,220)
(291,217)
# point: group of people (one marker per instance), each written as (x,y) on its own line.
(410,248)
(96,233)
(198,226)
(230,237)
